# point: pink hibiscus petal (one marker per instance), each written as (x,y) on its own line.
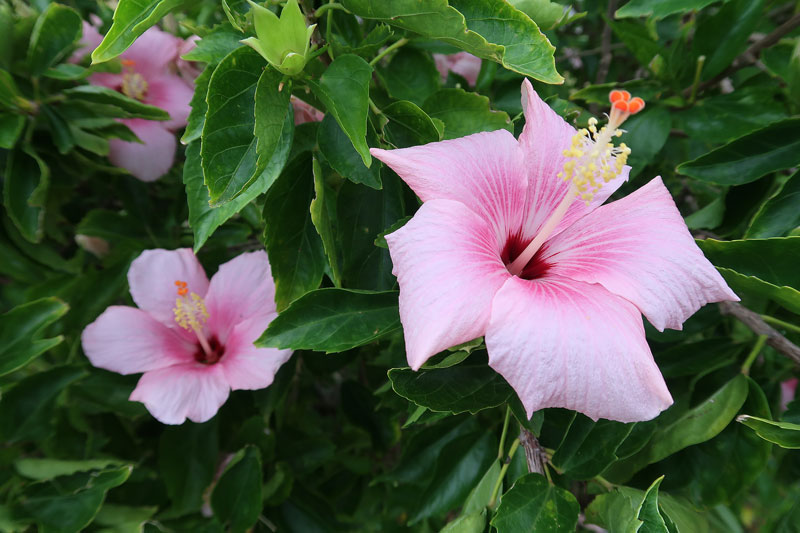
(247,367)
(562,343)
(447,262)
(153,52)
(544,138)
(483,171)
(242,289)
(173,95)
(128,340)
(89,41)
(150,159)
(193,390)
(152,278)
(639,248)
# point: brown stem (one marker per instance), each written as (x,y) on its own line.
(754,321)
(533,452)
(605,44)
(751,54)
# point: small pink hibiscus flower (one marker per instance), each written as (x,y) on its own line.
(192,339)
(148,75)
(464,64)
(304,112)
(502,247)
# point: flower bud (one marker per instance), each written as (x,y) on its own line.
(284,42)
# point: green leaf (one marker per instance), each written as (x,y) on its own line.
(213,47)
(9,94)
(96,94)
(723,36)
(467,523)
(775,147)
(646,133)
(197,116)
(659,8)
(46,469)
(464,113)
(409,125)
(457,389)
(767,267)
(55,31)
(21,328)
(638,40)
(534,505)
(323,216)
(616,511)
(779,215)
(546,14)
(480,496)
(187,461)
(296,254)
(344,89)
(25,186)
(491,29)
(649,515)
(10,129)
(65,511)
(229,149)
(333,320)
(784,434)
(709,216)
(236,498)
(343,158)
(28,407)
(411,75)
(131,19)
(271,110)
(589,447)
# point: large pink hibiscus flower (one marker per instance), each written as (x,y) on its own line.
(565,328)
(148,75)
(192,338)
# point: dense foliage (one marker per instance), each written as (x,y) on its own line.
(348,437)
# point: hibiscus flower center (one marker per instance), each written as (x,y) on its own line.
(191,314)
(133,84)
(592,161)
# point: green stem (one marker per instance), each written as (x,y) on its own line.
(499,482)
(605,483)
(374,108)
(327,7)
(781,323)
(698,69)
(503,434)
(751,357)
(328,23)
(393,46)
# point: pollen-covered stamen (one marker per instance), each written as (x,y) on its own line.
(133,84)
(592,161)
(191,314)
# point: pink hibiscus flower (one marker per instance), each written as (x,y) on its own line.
(502,248)
(304,112)
(192,339)
(464,64)
(148,75)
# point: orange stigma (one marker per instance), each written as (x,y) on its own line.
(183,288)
(128,62)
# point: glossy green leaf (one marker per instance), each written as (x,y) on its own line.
(767,267)
(456,389)
(130,108)
(56,29)
(409,125)
(615,511)
(784,434)
(649,514)
(228,152)
(490,29)
(546,14)
(779,215)
(9,93)
(411,75)
(236,498)
(214,46)
(333,320)
(28,407)
(296,254)
(466,523)
(187,461)
(197,116)
(637,39)
(344,89)
(271,110)
(25,187)
(722,36)
(646,133)
(45,469)
(131,19)
(343,158)
(659,8)
(694,358)
(480,496)
(534,505)
(464,113)
(775,147)
(589,447)
(10,129)
(323,216)
(20,329)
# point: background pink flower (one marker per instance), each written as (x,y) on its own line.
(464,64)
(304,112)
(192,339)
(567,330)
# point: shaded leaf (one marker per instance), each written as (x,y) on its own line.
(20,329)
(535,505)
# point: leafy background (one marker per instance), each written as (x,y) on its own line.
(348,438)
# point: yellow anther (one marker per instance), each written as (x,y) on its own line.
(134,85)
(190,311)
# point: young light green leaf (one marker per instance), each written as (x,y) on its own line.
(20,329)
(659,8)
(784,434)
(131,19)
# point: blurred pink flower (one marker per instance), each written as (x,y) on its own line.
(192,339)
(788,390)
(304,112)
(464,64)
(148,75)
(501,247)
(189,70)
